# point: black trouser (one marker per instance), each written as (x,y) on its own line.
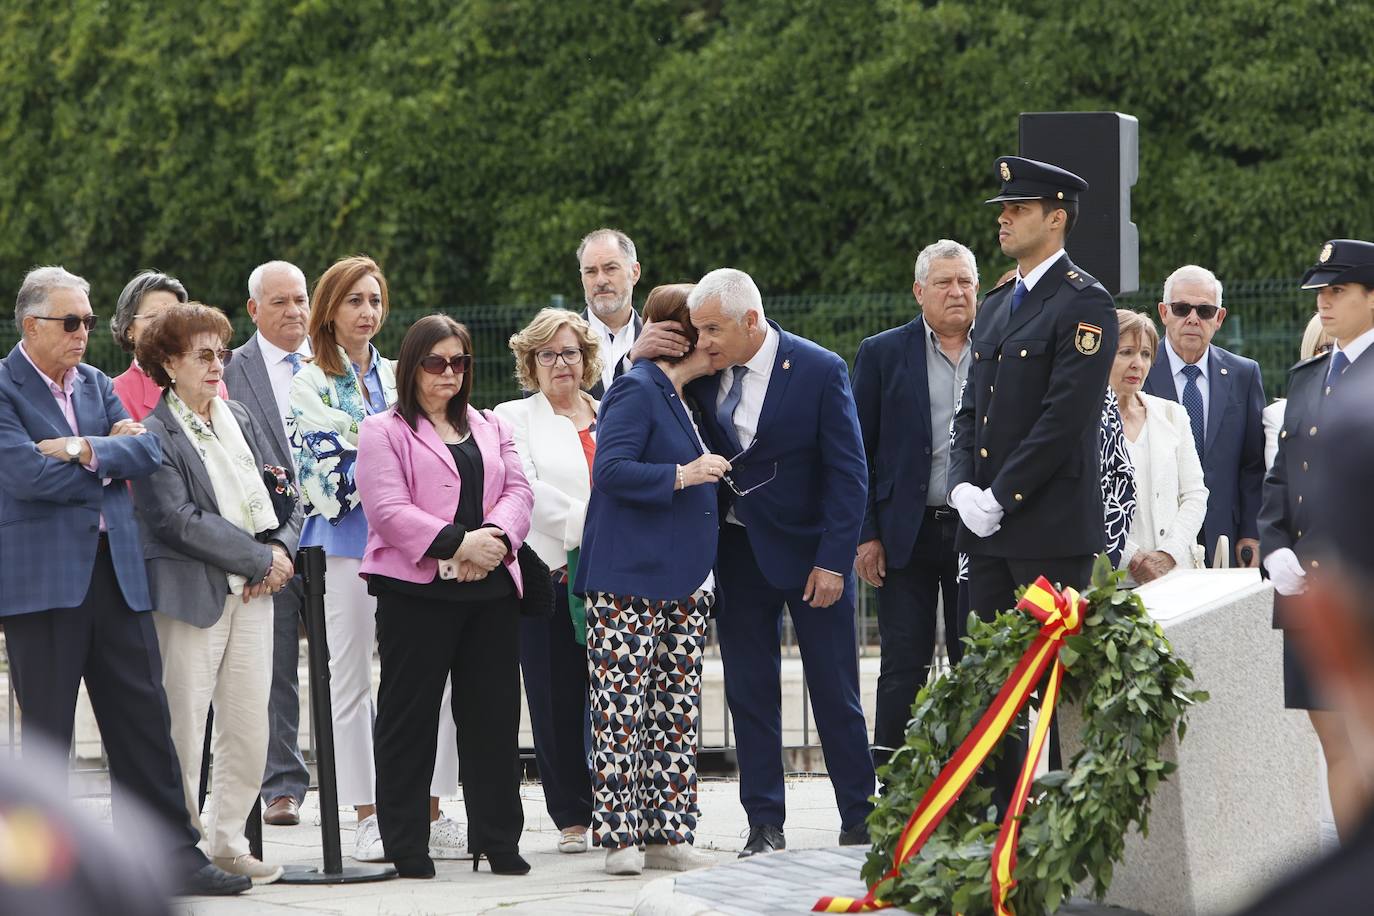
(115,650)
(908,604)
(992,588)
(554,664)
(422,642)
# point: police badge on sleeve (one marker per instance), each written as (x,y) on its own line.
(1088,338)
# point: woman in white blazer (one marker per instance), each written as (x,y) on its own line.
(555,433)
(1171,498)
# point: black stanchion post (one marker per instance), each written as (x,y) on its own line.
(310,564)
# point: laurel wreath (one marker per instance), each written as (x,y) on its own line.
(1133,693)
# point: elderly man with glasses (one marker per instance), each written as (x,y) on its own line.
(1224,396)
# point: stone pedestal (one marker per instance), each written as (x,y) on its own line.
(1242,809)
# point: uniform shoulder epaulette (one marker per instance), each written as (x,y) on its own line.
(1310,361)
(1079,279)
(1007,281)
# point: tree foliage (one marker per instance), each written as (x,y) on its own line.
(468,145)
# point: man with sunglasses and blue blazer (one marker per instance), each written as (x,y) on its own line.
(794,503)
(73,587)
(1224,396)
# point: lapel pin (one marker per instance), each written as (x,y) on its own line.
(1223,371)
(787,364)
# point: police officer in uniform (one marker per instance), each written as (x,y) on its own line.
(1344,279)
(1024,471)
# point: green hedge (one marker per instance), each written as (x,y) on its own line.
(468,145)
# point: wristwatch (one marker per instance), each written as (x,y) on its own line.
(73,449)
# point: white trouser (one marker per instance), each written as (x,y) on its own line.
(350,622)
(229,664)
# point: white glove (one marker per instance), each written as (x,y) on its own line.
(978,509)
(1286,572)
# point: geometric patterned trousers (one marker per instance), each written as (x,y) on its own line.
(644,659)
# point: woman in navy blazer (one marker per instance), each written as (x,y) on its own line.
(648,548)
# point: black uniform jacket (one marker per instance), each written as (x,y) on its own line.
(1028,424)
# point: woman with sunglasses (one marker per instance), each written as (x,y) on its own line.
(346,382)
(645,571)
(217,551)
(556,357)
(448,507)
(144,296)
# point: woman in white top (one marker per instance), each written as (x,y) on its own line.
(1315,341)
(1171,498)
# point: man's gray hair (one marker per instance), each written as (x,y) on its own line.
(38,284)
(735,289)
(1191,273)
(623,241)
(126,307)
(262,270)
(938,251)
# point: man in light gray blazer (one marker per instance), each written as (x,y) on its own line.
(259,377)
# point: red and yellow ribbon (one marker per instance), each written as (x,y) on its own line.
(1060,616)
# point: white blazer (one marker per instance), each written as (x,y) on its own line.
(1178,495)
(556,467)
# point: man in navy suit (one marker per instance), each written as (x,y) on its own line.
(780,407)
(1224,396)
(73,588)
(907,383)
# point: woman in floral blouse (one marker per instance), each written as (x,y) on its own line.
(345,382)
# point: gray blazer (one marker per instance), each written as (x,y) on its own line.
(188,546)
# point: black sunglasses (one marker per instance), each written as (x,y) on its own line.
(71,322)
(435,365)
(1206,311)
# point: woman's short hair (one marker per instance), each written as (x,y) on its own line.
(418,343)
(126,307)
(537,334)
(1314,338)
(669,303)
(169,333)
(331,289)
(1140,325)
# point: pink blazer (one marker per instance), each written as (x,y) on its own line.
(139,393)
(409,488)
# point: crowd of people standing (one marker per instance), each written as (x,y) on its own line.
(693,462)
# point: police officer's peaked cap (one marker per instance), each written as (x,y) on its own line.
(1030,179)
(1342,261)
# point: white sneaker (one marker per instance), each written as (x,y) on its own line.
(249,867)
(367,841)
(677,857)
(448,839)
(627,860)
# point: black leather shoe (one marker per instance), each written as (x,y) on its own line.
(856,836)
(414,867)
(213,881)
(764,838)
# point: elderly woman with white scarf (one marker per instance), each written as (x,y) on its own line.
(217,551)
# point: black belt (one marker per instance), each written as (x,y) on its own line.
(940,513)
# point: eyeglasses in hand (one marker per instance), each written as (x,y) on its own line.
(747,490)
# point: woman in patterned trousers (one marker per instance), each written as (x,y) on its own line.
(648,547)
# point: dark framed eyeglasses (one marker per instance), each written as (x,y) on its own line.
(1205,310)
(735,489)
(435,365)
(71,322)
(208,356)
(571,356)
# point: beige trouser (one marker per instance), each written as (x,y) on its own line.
(229,664)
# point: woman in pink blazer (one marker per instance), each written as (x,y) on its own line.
(448,507)
(143,297)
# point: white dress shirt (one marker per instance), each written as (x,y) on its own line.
(1356,347)
(1176,365)
(755,388)
(279,370)
(615,345)
(1039,270)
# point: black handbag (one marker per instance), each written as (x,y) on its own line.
(537,600)
(280,491)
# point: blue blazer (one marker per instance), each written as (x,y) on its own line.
(641,536)
(892,395)
(810,513)
(1233,450)
(50,510)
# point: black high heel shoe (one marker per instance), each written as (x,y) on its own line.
(502,863)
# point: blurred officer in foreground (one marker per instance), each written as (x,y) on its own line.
(1336,641)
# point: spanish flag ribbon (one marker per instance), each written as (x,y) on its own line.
(1060,616)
